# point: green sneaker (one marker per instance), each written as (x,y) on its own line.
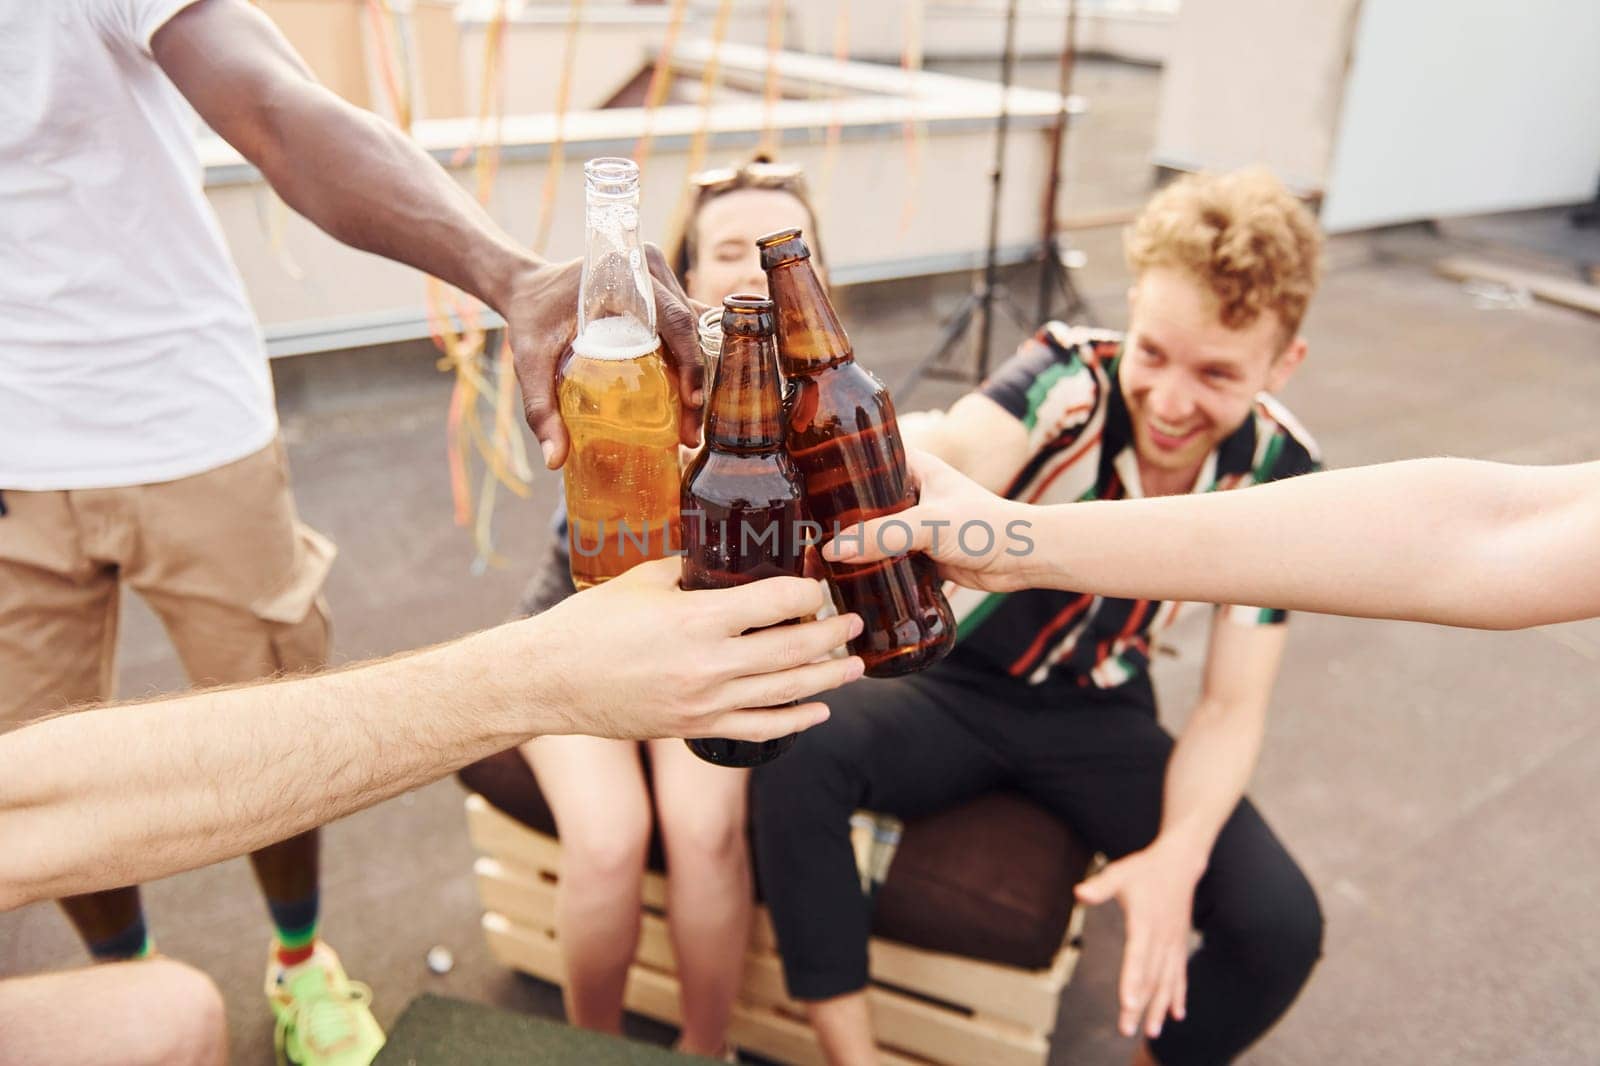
(324,1018)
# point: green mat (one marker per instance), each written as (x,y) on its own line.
(436,1031)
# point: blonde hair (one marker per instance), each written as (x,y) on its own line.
(1243,235)
(745,175)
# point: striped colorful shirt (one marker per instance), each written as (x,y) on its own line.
(1062,386)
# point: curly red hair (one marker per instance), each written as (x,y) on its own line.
(1243,235)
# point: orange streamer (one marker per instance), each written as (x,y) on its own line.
(708,86)
(660,82)
(455,325)
(771,91)
(558,146)
(913,130)
(830,151)
(381,17)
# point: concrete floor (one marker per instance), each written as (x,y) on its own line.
(1436,784)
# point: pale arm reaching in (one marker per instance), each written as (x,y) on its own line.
(120,795)
(1453,541)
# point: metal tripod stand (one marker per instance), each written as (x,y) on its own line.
(1054,259)
(979,303)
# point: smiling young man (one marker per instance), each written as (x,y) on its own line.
(1047,690)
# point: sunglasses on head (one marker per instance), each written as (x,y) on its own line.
(758,175)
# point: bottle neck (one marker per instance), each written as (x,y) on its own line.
(810,336)
(616,280)
(745,410)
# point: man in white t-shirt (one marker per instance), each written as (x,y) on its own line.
(138,438)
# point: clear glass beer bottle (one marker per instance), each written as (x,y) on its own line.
(618,397)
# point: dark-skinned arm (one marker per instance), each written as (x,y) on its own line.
(370,186)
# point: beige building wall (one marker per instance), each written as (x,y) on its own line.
(336,39)
(1256,81)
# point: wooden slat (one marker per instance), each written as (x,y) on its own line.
(656,995)
(654,890)
(766,1032)
(653,994)
(1024,997)
(1552,288)
(944,1036)
(523,897)
(763,983)
(775,1036)
(789,1040)
(1013,1010)
(531,903)
(520,948)
(1030,998)
(1065,963)
(762,936)
(936,1033)
(497,834)
(655,944)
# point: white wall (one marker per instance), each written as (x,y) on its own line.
(1255,82)
(1467,106)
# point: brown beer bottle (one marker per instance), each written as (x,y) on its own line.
(842,434)
(742,495)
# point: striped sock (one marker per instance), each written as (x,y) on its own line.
(133,942)
(295,923)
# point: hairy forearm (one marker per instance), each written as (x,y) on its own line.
(1206,776)
(120,795)
(370,186)
(1437,540)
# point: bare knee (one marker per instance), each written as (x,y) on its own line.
(159,1013)
(605,850)
(706,835)
(193,1027)
(154,1013)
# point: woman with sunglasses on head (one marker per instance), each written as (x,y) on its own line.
(597,788)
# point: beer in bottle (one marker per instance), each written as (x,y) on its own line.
(742,495)
(618,397)
(841,433)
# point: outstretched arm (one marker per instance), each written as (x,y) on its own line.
(1453,541)
(121,795)
(367,184)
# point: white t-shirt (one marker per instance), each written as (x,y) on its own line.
(128,350)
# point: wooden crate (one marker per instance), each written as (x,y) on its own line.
(927,1007)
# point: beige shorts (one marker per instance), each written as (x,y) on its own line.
(220,557)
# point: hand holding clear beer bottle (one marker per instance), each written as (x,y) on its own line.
(618,397)
(842,434)
(742,495)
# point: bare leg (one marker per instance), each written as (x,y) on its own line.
(111,923)
(288,875)
(152,1013)
(702,809)
(844,1028)
(596,790)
